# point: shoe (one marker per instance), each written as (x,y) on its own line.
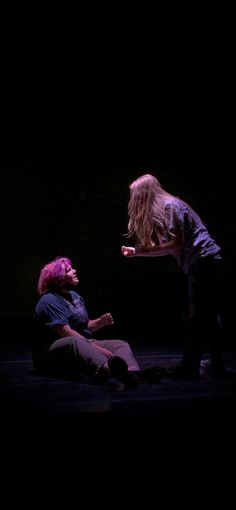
(119,369)
(183,372)
(102,375)
(151,374)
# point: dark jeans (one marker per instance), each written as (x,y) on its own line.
(204,324)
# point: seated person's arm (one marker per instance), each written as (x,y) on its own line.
(104,320)
(66,330)
(63,330)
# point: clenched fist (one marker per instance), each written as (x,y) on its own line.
(128,251)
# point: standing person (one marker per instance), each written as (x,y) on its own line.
(65,343)
(164,224)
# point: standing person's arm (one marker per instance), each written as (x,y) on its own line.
(172,247)
(171,239)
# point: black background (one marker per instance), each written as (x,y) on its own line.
(64,191)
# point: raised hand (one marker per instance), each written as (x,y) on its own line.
(128,251)
(106,319)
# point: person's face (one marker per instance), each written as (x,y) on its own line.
(70,277)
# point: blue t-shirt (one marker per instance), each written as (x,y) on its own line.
(54,309)
(197,242)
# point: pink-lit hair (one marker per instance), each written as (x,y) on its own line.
(52,275)
(146,209)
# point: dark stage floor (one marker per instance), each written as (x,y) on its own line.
(26,394)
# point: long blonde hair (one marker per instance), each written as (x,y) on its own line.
(146,209)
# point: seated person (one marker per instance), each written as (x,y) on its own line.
(64,343)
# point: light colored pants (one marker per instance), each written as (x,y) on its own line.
(78,356)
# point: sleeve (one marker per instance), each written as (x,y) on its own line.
(174,219)
(54,314)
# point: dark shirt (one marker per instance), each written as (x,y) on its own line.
(197,242)
(54,309)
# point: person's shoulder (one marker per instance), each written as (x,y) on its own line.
(175,203)
(48,298)
(41,304)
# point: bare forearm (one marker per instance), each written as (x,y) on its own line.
(95,324)
(104,320)
(160,250)
(66,330)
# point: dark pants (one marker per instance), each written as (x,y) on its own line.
(204,323)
